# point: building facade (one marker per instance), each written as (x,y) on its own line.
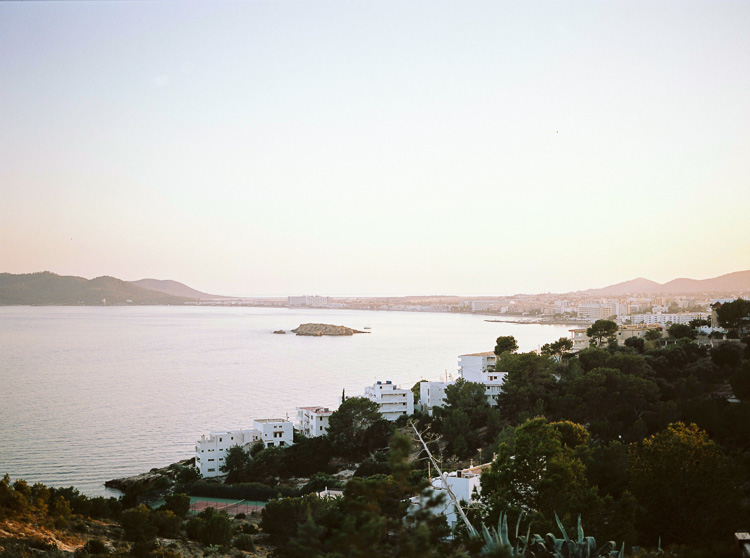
(664,319)
(392,400)
(211,450)
(313,421)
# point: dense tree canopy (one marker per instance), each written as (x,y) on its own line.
(357,427)
(557,349)
(679,475)
(540,477)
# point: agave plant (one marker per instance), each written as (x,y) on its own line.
(581,547)
(498,543)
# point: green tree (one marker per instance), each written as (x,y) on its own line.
(608,399)
(734,315)
(636,343)
(236,464)
(505,344)
(601,329)
(529,383)
(179,504)
(558,349)
(356,427)
(652,336)
(679,475)
(211,528)
(681,331)
(136,522)
(541,477)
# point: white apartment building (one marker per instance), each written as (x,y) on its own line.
(473,367)
(275,432)
(432,394)
(465,484)
(663,319)
(313,301)
(597,311)
(480,368)
(211,450)
(392,400)
(313,421)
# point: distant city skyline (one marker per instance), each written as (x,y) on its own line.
(375,148)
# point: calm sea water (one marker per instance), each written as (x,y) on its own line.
(89,394)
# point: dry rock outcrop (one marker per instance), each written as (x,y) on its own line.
(319,330)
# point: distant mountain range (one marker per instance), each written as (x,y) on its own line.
(48,288)
(731,282)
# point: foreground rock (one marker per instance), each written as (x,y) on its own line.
(319,330)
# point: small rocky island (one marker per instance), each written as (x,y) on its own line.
(318,330)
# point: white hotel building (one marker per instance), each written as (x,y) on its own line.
(313,421)
(392,400)
(211,450)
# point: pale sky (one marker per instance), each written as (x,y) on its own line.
(354,147)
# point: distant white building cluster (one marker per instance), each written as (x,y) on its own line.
(393,402)
(309,301)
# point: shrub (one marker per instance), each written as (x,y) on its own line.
(244,542)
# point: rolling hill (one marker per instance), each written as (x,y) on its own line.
(731,282)
(46,288)
(174,288)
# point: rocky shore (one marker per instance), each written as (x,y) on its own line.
(150,478)
(318,330)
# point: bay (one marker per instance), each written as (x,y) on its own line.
(93,393)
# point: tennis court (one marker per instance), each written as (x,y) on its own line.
(231,507)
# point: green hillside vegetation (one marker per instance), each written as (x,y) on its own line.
(47,288)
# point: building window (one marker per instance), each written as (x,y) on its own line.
(211,470)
